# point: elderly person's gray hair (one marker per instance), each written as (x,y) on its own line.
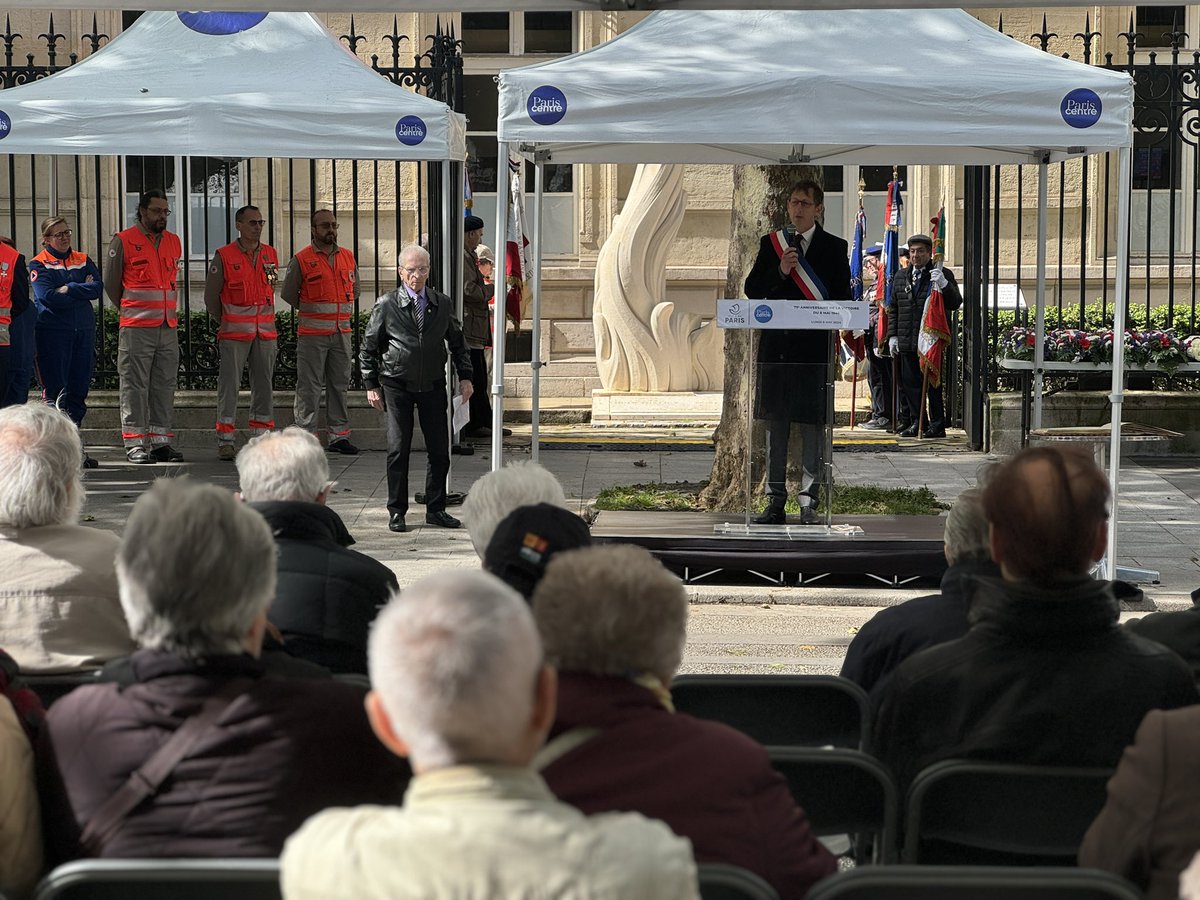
(40,457)
(494,495)
(412,250)
(454,660)
(283,465)
(966,533)
(195,569)
(611,609)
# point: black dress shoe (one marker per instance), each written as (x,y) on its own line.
(809,516)
(166,453)
(462,450)
(934,431)
(910,431)
(442,519)
(396,523)
(772,515)
(343,447)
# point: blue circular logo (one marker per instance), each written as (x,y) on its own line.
(1081,108)
(5,124)
(411,130)
(762,312)
(221,22)
(547,105)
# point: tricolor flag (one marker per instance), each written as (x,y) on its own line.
(893,219)
(934,335)
(518,263)
(938,232)
(468,196)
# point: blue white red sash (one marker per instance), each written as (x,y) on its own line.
(803,275)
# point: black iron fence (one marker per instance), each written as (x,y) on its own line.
(1000,202)
(381,205)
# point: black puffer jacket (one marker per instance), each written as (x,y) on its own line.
(327,595)
(910,290)
(1045,676)
(394,350)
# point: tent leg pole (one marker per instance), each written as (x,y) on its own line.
(1120,304)
(535,337)
(452,242)
(499,320)
(1039,350)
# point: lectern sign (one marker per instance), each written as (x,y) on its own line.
(798,314)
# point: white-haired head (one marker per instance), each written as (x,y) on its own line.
(40,457)
(455,662)
(283,465)
(196,569)
(413,252)
(494,495)
(966,535)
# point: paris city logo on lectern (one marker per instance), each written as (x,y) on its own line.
(220,22)
(762,313)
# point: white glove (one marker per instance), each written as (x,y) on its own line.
(878,353)
(893,346)
(937,278)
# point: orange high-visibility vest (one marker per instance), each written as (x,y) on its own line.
(148,296)
(326,292)
(8,270)
(247,296)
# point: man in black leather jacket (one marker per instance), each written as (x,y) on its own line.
(403,361)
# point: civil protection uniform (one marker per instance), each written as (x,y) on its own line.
(245,288)
(325,291)
(148,341)
(65,332)
(14,298)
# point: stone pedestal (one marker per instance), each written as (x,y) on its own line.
(656,407)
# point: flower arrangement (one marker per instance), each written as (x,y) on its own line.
(1142,348)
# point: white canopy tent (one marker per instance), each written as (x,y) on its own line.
(768,87)
(206,84)
(355,6)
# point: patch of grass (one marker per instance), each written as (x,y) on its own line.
(848,499)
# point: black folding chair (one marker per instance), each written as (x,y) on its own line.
(843,792)
(972,883)
(977,813)
(719,881)
(163,879)
(779,710)
(51,687)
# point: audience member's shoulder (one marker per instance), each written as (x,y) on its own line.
(342,834)
(651,854)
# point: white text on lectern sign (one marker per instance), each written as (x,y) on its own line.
(798,314)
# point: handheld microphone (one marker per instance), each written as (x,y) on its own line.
(789,234)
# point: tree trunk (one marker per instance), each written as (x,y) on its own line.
(759,205)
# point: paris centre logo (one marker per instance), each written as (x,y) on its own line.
(5,124)
(221,22)
(547,105)
(1081,108)
(762,313)
(411,130)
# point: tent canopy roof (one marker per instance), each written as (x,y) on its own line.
(874,87)
(227,84)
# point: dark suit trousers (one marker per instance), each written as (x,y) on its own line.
(910,393)
(481,404)
(431,413)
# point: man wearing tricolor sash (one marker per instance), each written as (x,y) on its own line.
(799,262)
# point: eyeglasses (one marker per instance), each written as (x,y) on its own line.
(59,235)
(416,270)
(255,222)
(804,204)
(159,211)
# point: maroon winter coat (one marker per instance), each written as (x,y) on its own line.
(709,783)
(282,751)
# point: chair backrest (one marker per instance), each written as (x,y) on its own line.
(972,883)
(966,812)
(843,792)
(779,710)
(51,687)
(719,881)
(163,879)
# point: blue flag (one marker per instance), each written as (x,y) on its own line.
(856,255)
(891,239)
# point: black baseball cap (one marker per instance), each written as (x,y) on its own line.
(527,538)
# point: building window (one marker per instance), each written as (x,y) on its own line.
(517,33)
(1157,23)
(214,196)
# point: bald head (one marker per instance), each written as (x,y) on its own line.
(1048,512)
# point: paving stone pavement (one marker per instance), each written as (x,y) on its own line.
(743,628)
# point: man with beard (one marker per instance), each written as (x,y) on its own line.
(322,283)
(141,274)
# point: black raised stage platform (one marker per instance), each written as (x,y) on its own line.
(891,549)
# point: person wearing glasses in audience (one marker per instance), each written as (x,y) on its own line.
(143,261)
(66,285)
(322,284)
(403,362)
(239,294)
